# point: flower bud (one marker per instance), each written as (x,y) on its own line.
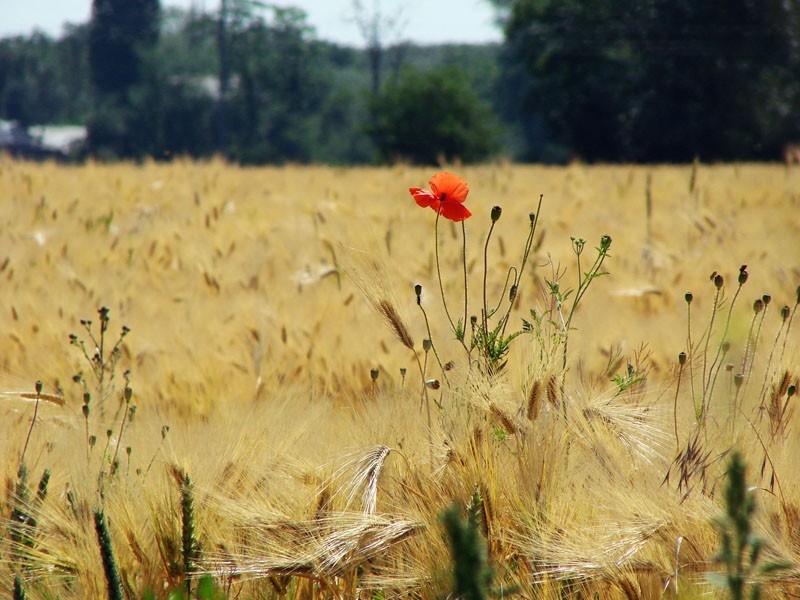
(785,312)
(496,212)
(742,274)
(38,386)
(373,373)
(719,281)
(758,306)
(682,358)
(767,299)
(426,345)
(688,297)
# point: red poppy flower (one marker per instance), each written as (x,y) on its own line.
(446,196)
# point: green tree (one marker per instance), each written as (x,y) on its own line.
(281,87)
(659,80)
(118,31)
(426,116)
(121,32)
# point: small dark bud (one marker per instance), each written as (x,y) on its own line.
(433,384)
(128,450)
(729,367)
(426,345)
(86,398)
(132,413)
(85,409)
(109,433)
(373,373)
(605,243)
(125,330)
(785,312)
(73,339)
(473,320)
(403,372)
(758,306)
(726,345)
(38,387)
(682,358)
(103,312)
(496,212)
(738,379)
(512,294)
(688,297)
(92,440)
(418,292)
(449,366)
(767,299)
(791,390)
(77,378)
(742,274)
(719,281)
(532,217)
(128,392)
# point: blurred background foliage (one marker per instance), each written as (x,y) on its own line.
(644,81)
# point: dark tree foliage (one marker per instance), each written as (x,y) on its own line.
(118,31)
(662,80)
(43,80)
(428,116)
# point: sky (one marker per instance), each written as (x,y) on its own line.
(422,21)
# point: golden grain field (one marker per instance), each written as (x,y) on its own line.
(249,296)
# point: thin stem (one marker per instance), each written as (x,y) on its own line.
(433,346)
(709,332)
(675,406)
(33,422)
(439,271)
(709,384)
(485,314)
(691,356)
(464,261)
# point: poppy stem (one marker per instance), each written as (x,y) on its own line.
(485,315)
(464,261)
(439,270)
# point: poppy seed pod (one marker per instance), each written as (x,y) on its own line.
(688,297)
(742,274)
(496,212)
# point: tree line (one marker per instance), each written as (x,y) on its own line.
(609,80)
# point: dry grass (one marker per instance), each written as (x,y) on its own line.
(255,299)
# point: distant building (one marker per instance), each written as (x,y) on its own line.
(41,142)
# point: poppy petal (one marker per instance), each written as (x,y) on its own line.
(423,197)
(455,211)
(449,185)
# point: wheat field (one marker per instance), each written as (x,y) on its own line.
(266,378)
